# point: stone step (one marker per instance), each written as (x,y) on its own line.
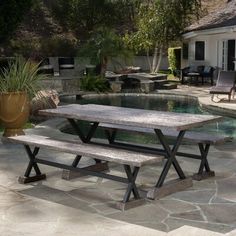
(149,76)
(160,77)
(159,83)
(169,86)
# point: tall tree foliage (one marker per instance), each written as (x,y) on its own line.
(103,46)
(11,14)
(160,22)
(84,15)
(87,15)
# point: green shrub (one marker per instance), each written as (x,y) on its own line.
(94,83)
(174,55)
(172,59)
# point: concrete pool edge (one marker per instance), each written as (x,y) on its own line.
(204,100)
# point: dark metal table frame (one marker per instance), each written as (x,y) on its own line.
(167,151)
(99,113)
(192,75)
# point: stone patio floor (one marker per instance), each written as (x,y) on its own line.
(84,206)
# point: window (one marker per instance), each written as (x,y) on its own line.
(199,50)
(185,50)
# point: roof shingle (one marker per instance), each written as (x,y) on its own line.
(221,18)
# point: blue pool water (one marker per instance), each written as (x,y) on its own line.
(226,127)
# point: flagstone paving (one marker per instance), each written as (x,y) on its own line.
(85,206)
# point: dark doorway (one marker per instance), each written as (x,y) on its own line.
(231,54)
(177,52)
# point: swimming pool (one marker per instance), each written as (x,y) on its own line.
(160,103)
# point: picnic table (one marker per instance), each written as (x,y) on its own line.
(159,121)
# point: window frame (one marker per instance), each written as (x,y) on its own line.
(200,52)
(185,51)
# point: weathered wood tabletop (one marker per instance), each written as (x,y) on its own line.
(130,116)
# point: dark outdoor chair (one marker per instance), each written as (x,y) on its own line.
(190,71)
(66,62)
(225,84)
(206,72)
(45,67)
(184,73)
(202,71)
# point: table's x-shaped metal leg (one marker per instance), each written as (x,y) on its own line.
(170,155)
(167,151)
(204,169)
(159,190)
(85,138)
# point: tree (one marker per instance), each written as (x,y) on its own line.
(104,45)
(159,23)
(85,16)
(11,14)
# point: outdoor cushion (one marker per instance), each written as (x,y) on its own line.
(207,69)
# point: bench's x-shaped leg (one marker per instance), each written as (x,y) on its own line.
(204,152)
(32,164)
(130,180)
(170,154)
(204,163)
(131,175)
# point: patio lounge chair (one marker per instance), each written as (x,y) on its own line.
(225,84)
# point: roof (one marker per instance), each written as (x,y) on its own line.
(221,18)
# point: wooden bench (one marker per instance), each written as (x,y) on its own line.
(203,140)
(132,161)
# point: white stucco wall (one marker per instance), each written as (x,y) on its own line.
(142,62)
(213,47)
(81,63)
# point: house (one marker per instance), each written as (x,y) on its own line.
(211,40)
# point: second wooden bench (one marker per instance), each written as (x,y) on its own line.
(203,140)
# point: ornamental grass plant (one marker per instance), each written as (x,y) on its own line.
(21,76)
(19,83)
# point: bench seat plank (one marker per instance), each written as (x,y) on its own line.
(104,153)
(191,136)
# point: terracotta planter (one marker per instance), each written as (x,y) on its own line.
(14,112)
